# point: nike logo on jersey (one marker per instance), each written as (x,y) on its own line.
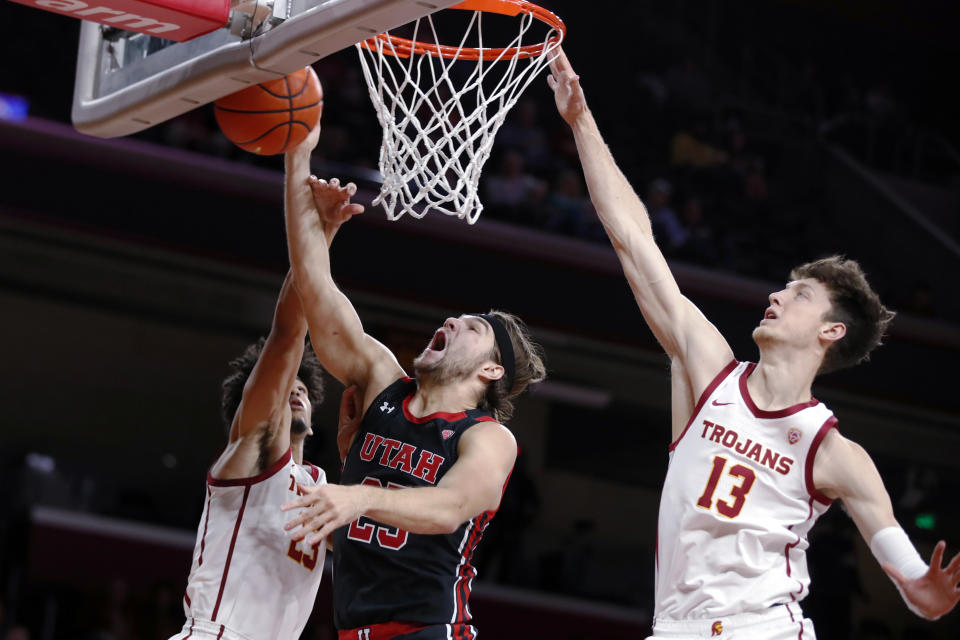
(400,455)
(755,451)
(720,404)
(386,408)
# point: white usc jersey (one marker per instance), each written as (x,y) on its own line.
(249,580)
(737,504)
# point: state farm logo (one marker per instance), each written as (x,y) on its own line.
(106,15)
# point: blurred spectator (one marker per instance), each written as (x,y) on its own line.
(667,228)
(513,192)
(523,133)
(689,147)
(569,209)
(17,633)
(701,244)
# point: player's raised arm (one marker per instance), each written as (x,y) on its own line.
(679,326)
(842,469)
(313,208)
(474,484)
(266,393)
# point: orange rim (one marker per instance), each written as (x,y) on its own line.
(403,48)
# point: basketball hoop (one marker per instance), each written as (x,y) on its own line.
(438,129)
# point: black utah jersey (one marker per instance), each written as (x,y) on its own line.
(385,574)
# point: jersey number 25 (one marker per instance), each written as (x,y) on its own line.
(363,530)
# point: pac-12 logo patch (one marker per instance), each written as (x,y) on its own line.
(716,628)
(793,436)
(446,433)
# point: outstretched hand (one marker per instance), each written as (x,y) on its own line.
(324,509)
(566,88)
(349,422)
(333,201)
(935,593)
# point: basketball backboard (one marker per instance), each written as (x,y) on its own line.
(127,82)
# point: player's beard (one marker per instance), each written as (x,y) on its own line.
(446,370)
(298,427)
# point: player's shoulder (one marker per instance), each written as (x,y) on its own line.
(488,432)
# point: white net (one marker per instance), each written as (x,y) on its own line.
(440,115)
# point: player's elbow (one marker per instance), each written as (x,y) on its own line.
(448,523)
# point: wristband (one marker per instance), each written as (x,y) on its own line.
(891,545)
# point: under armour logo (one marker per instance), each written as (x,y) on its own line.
(364,634)
(386,408)
(716,629)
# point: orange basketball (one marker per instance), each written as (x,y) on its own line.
(272,117)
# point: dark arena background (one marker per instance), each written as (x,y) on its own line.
(760,134)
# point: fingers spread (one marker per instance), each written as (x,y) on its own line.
(954,565)
(936,560)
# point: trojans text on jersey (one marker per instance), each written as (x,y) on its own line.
(746,447)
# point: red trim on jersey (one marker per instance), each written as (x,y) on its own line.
(190,632)
(220,635)
(794,620)
(462,588)
(703,398)
(314,471)
(442,415)
(233,541)
(790,545)
(260,477)
(808,467)
(203,538)
(762,413)
(186,598)
(486,419)
(382,631)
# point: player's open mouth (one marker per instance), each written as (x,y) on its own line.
(439,342)
(296,404)
(770,314)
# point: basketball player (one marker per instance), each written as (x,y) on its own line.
(248,580)
(430,460)
(755,459)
